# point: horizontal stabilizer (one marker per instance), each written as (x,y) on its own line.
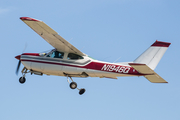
(149,73)
(142,68)
(155,78)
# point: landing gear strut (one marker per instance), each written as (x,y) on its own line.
(73,85)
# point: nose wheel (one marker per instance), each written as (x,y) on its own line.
(73,85)
(22,80)
(24,72)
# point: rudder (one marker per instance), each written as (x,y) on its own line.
(153,54)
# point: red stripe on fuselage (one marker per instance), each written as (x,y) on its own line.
(106,67)
(31,54)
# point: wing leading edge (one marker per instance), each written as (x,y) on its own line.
(50,36)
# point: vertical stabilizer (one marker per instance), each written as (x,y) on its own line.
(153,54)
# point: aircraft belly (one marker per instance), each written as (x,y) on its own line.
(51,69)
(109,74)
(102,74)
(70,70)
(90,72)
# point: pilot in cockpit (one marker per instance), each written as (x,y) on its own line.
(58,54)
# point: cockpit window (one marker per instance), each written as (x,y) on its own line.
(72,56)
(56,54)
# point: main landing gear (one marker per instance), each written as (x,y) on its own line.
(73,85)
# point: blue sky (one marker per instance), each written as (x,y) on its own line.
(105,30)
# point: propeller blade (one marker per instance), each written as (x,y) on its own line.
(18,66)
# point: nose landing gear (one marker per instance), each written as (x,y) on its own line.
(23,79)
(73,85)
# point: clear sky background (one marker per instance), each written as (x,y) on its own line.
(105,30)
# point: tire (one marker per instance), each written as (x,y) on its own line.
(73,85)
(22,80)
(81,91)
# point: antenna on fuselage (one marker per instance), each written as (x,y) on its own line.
(70,39)
(24,47)
(116,59)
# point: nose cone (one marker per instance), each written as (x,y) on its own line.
(18,57)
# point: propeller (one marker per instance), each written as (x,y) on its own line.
(18,66)
(19,58)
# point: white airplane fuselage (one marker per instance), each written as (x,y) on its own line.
(75,68)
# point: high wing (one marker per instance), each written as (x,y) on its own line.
(50,36)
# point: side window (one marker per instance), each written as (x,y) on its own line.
(56,54)
(72,56)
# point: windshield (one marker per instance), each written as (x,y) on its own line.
(55,54)
(44,52)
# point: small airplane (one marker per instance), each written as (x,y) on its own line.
(66,60)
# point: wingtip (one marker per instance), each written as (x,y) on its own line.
(29,19)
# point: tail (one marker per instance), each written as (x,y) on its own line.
(147,61)
(153,54)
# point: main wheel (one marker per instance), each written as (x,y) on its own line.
(22,80)
(81,91)
(73,85)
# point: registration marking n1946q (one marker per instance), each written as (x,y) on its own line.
(115,68)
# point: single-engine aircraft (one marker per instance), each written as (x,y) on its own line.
(66,60)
